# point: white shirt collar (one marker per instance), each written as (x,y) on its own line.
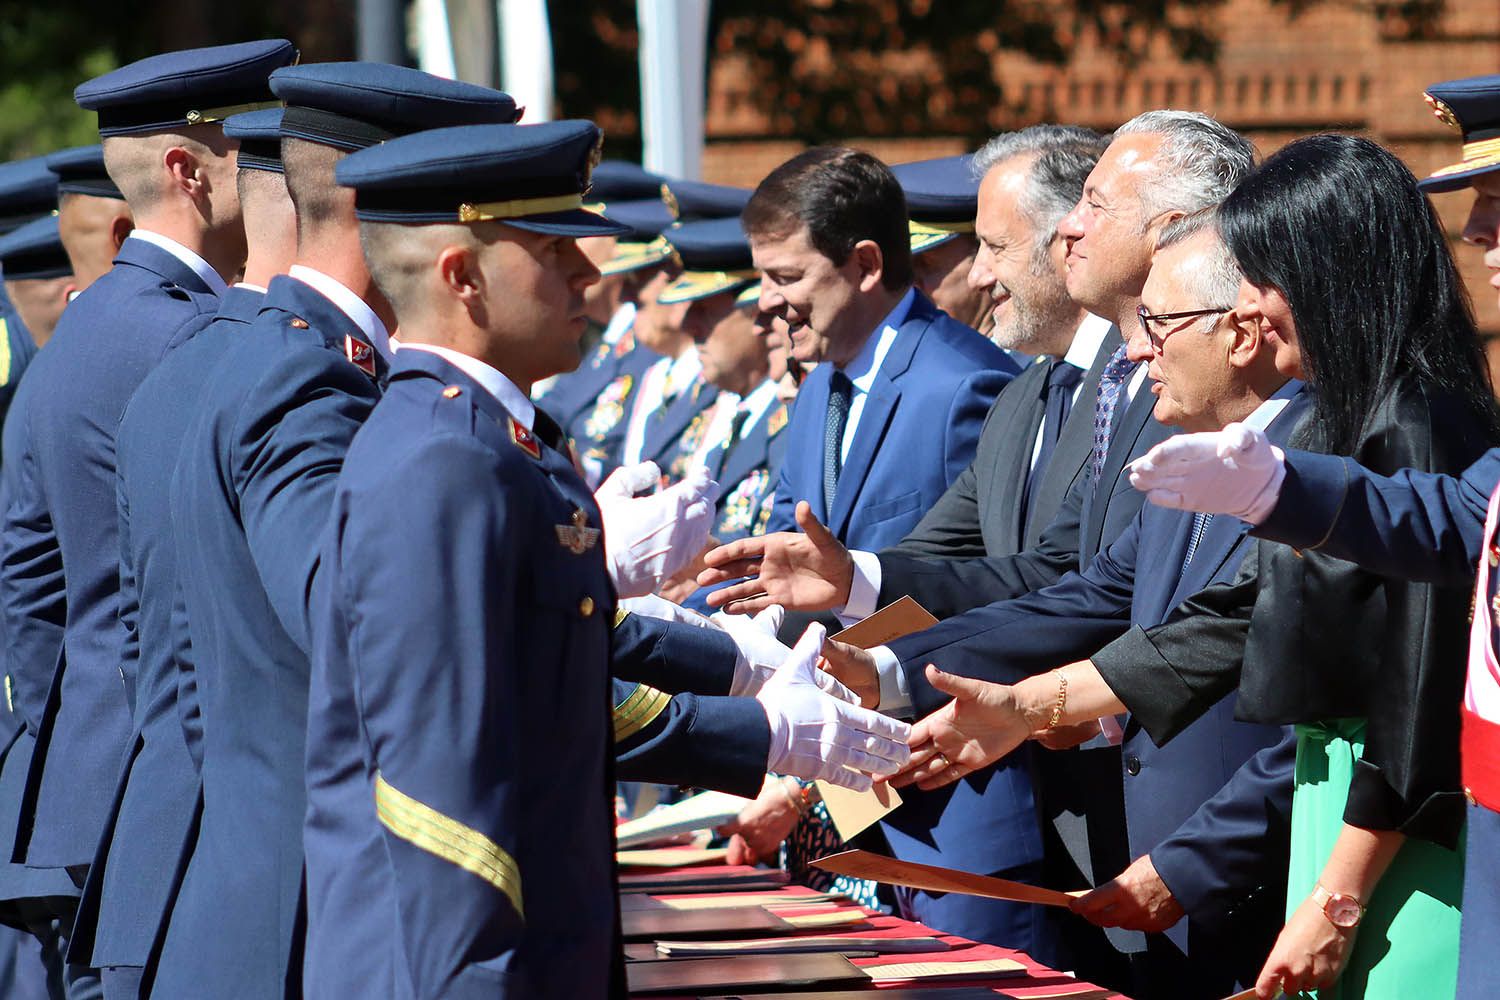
(619,323)
(199,266)
(351,305)
(247,286)
(866,364)
(496,384)
(1266,412)
(1086,342)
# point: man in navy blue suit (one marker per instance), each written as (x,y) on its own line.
(1207,814)
(165,148)
(148,833)
(885,423)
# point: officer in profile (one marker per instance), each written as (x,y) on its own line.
(942,197)
(459,507)
(92,214)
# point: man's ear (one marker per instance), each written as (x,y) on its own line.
(1247,342)
(119,228)
(870,262)
(186,171)
(459,271)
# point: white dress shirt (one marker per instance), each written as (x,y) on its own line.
(866,366)
(199,266)
(512,398)
(1082,354)
(351,305)
(679,372)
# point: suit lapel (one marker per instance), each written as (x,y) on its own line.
(1076,441)
(879,406)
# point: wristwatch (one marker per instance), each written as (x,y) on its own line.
(1342,910)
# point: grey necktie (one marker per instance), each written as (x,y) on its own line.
(840,391)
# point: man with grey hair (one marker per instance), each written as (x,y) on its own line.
(1206,817)
(1159,167)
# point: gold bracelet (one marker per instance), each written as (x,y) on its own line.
(1062,700)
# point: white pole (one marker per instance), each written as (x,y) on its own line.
(434,44)
(674,40)
(526,56)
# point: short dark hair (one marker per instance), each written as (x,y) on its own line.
(842,196)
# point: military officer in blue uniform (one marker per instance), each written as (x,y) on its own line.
(160,120)
(38,284)
(741,443)
(92,215)
(458,504)
(148,833)
(28,192)
(942,197)
(249,498)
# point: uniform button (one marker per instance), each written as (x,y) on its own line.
(586,607)
(1132,765)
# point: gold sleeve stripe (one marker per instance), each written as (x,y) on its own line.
(639,710)
(620,615)
(449,839)
(4,352)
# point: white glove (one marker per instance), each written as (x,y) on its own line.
(648,539)
(653,606)
(1235,471)
(761,654)
(814,735)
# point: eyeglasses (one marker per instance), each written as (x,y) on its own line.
(1148,318)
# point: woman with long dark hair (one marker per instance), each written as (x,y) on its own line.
(1347,271)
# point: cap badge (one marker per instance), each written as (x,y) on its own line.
(1442,112)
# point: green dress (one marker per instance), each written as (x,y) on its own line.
(1407,945)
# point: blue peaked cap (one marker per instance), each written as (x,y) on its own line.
(34,251)
(942,196)
(80,170)
(715,255)
(692,200)
(532,177)
(190,87)
(620,180)
(355,105)
(259,135)
(27,190)
(1472,106)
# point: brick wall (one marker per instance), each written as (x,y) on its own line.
(1278,75)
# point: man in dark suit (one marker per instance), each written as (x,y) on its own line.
(166,150)
(878,433)
(1207,815)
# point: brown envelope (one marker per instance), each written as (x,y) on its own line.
(863,864)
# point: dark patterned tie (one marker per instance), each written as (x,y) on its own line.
(1200,525)
(840,391)
(736,430)
(1062,379)
(1111,382)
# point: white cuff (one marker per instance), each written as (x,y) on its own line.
(895,696)
(864,589)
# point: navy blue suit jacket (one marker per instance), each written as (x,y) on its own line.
(1415,525)
(147,836)
(1211,808)
(456,846)
(106,342)
(16,351)
(918,431)
(250,498)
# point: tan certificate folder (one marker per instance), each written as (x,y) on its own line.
(863,864)
(898,618)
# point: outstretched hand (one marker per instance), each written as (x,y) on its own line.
(978,727)
(808,570)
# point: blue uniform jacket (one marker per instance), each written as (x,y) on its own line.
(43,641)
(108,339)
(16,351)
(1211,808)
(147,836)
(460,803)
(1415,525)
(747,475)
(250,497)
(918,431)
(593,407)
(673,435)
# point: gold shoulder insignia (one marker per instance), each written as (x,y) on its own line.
(638,711)
(447,838)
(452,392)
(620,615)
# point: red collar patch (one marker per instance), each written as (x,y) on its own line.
(361,354)
(524,439)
